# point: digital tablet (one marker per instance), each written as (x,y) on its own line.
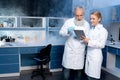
(79,33)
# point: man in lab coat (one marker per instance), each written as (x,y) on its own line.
(74,52)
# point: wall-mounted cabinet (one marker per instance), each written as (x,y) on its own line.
(116,13)
(33,30)
(8,21)
(56,23)
(109,14)
(32,22)
(106,14)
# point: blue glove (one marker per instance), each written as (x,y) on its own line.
(70,29)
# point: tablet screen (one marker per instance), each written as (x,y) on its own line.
(79,33)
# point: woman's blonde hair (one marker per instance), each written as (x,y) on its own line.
(97,13)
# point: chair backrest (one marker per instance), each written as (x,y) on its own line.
(45,52)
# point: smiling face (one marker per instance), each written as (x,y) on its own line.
(95,18)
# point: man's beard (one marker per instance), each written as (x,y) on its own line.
(79,22)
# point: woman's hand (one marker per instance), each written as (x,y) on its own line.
(86,40)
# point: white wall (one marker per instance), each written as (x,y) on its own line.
(84,3)
(105,3)
(95,3)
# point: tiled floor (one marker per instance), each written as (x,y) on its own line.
(25,75)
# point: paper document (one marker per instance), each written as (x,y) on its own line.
(79,33)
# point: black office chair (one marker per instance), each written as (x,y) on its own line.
(42,58)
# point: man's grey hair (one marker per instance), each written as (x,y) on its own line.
(78,7)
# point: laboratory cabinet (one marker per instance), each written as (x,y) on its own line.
(119,52)
(106,14)
(30,50)
(33,30)
(9,60)
(112,50)
(109,14)
(13,59)
(56,57)
(28,53)
(117,64)
(116,13)
(113,60)
(30,34)
(8,21)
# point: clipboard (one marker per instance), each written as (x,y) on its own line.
(79,33)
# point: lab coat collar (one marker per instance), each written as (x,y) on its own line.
(98,26)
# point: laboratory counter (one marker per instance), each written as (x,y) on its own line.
(114,44)
(14,58)
(111,58)
(17,56)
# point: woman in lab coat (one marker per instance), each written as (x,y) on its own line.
(95,41)
(74,51)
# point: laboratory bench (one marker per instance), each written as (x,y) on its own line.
(17,58)
(112,58)
(24,38)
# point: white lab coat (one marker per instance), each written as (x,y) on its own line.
(73,57)
(98,37)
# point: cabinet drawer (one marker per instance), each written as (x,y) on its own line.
(30,50)
(13,68)
(112,50)
(8,50)
(57,48)
(7,59)
(57,52)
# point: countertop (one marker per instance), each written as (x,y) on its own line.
(19,44)
(115,44)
